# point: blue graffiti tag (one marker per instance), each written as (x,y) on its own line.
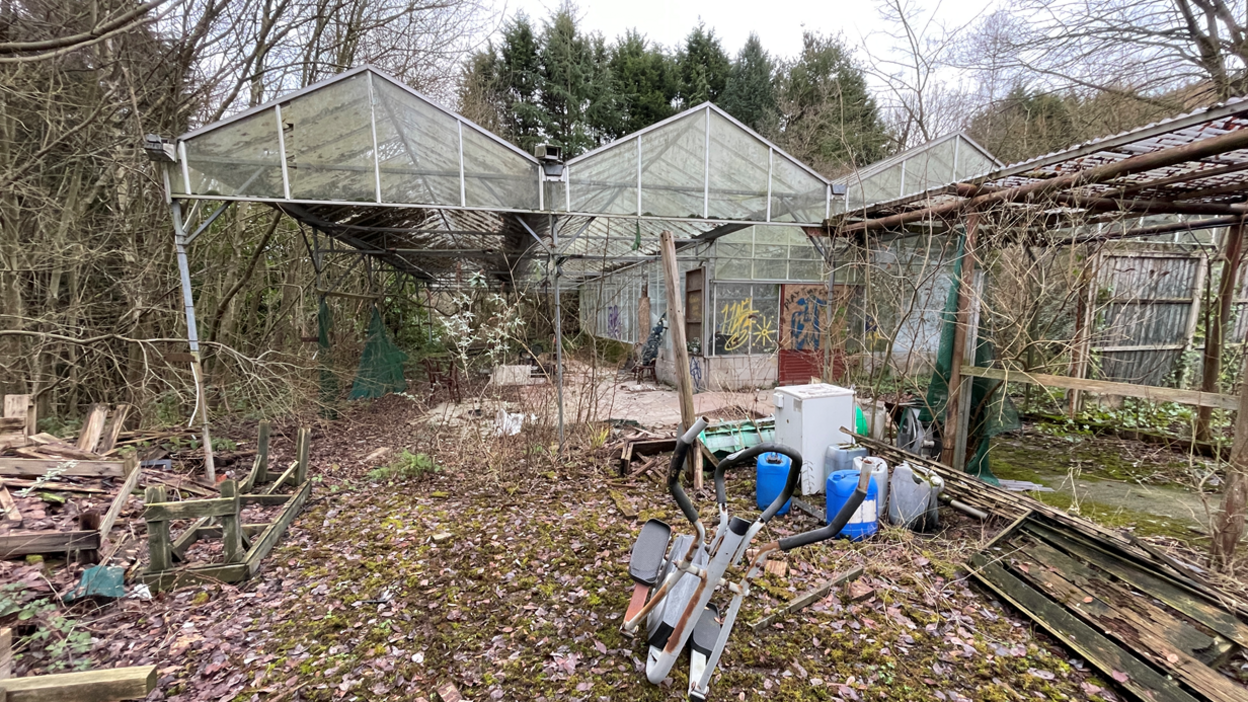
(695,372)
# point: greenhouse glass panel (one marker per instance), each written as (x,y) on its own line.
(733,259)
(673,168)
(419,148)
(771,261)
(495,176)
(806,269)
(972,163)
(605,182)
(241,158)
(329,143)
(738,172)
(796,195)
(939,166)
(746,318)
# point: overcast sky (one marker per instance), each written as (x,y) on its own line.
(779,23)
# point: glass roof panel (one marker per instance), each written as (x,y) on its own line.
(495,176)
(673,168)
(796,195)
(738,172)
(241,158)
(419,148)
(607,182)
(329,143)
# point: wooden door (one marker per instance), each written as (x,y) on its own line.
(694,298)
(808,329)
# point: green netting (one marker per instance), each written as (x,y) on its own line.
(381,365)
(992,411)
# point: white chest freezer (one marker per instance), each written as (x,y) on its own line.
(809,418)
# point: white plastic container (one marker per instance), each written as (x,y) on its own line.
(879,476)
(809,418)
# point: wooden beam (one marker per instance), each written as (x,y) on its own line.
(302,445)
(283,478)
(108,685)
(808,598)
(160,556)
(262,454)
(953,388)
(131,468)
(6,653)
(210,574)
(1105,387)
(191,509)
(680,347)
(21,407)
(1228,521)
(1219,323)
(267,540)
(37,467)
(1042,189)
(27,543)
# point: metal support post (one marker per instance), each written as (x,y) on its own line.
(192,337)
(555,263)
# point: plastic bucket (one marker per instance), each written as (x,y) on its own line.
(772,470)
(879,478)
(865,522)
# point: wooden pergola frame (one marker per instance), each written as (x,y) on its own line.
(1192,165)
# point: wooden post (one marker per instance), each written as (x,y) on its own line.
(1081,351)
(950,429)
(1228,522)
(159,555)
(1215,334)
(680,348)
(262,453)
(6,653)
(968,383)
(232,525)
(301,454)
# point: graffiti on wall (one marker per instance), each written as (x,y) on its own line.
(802,310)
(615,329)
(695,372)
(739,322)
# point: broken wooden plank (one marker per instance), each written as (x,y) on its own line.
(1155,584)
(267,540)
(283,478)
(113,430)
(131,468)
(160,557)
(448,693)
(622,503)
(6,653)
(191,509)
(209,574)
(808,598)
(28,543)
(21,407)
(36,468)
(264,499)
(92,427)
(50,445)
(1132,673)
(52,486)
(193,533)
(1195,398)
(129,683)
(262,454)
(12,424)
(1140,632)
(11,513)
(231,525)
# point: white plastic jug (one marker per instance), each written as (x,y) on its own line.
(879,476)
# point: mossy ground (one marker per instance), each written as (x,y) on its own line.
(524,600)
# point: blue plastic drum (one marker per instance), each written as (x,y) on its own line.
(773,471)
(865,522)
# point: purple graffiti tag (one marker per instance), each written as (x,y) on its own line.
(615,329)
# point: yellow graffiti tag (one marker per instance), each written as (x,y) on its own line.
(740,323)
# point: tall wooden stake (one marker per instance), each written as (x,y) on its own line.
(680,347)
(954,386)
(1228,523)
(1216,333)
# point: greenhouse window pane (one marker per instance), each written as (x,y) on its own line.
(496,176)
(806,270)
(329,143)
(606,182)
(796,195)
(419,148)
(673,168)
(738,185)
(241,158)
(972,163)
(771,261)
(939,166)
